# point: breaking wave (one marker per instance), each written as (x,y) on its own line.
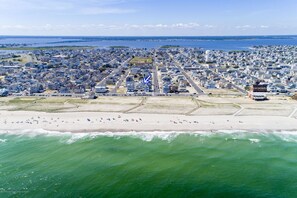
(3,140)
(70,138)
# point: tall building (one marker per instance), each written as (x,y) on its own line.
(259,91)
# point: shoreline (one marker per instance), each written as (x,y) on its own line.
(41,131)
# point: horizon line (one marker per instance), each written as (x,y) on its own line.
(147,36)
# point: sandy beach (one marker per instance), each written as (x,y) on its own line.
(148,114)
(101,122)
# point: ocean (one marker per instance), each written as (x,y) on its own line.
(223,164)
(206,42)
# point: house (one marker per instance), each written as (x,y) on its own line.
(163,70)
(166,88)
(173,88)
(130,87)
(79,89)
(258,91)
(182,88)
(111,80)
(260,87)
(36,88)
(210,85)
(3,92)
(101,89)
(130,84)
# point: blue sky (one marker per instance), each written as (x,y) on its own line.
(148,17)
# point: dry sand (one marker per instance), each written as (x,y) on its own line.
(148,114)
(97,122)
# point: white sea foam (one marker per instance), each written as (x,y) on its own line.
(76,137)
(232,131)
(70,138)
(287,136)
(3,140)
(254,140)
(145,136)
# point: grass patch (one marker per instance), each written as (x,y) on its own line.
(78,101)
(169,46)
(22,100)
(119,47)
(53,100)
(141,60)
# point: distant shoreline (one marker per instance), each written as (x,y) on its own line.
(134,36)
(42,48)
(206,42)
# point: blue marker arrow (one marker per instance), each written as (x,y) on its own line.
(147,79)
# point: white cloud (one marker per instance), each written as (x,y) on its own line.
(98,27)
(209,26)
(29,5)
(245,27)
(98,11)
(186,25)
(86,7)
(165,26)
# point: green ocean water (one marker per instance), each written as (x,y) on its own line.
(148,165)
